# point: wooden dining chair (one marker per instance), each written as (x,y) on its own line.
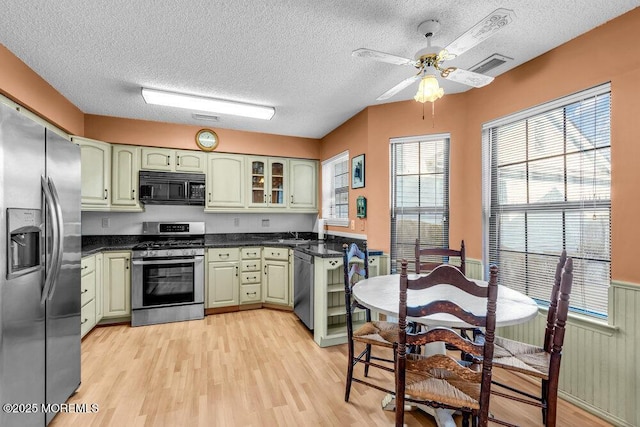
(368,332)
(542,362)
(426,259)
(440,380)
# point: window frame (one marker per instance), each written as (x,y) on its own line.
(490,184)
(329,189)
(418,210)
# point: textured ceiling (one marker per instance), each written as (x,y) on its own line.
(294,55)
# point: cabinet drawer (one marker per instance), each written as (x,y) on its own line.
(250,293)
(87,288)
(223,254)
(251,265)
(87,265)
(281,254)
(250,253)
(87,317)
(251,277)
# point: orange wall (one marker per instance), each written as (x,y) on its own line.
(607,53)
(22,85)
(159,134)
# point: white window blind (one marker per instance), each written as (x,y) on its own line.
(335,189)
(547,187)
(419,195)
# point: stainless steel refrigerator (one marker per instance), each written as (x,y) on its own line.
(39,270)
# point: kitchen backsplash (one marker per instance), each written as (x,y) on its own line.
(128,223)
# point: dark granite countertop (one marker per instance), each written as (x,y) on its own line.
(330,248)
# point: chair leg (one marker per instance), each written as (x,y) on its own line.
(543,397)
(551,404)
(465,419)
(349,372)
(368,359)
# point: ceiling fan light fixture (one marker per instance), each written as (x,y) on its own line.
(211,105)
(429,89)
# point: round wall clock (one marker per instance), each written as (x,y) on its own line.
(207,139)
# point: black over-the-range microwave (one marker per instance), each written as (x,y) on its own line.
(172,188)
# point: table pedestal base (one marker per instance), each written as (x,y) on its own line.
(443,417)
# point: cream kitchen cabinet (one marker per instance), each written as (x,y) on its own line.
(267,187)
(168,160)
(251,275)
(303,183)
(223,277)
(99,287)
(329,308)
(96,173)
(88,288)
(225,181)
(117,284)
(276,275)
(125,164)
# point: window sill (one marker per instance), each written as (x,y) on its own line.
(587,322)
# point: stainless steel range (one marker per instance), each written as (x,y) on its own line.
(167,274)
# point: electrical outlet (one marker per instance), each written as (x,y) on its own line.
(106,223)
(353,224)
(236,222)
(265,222)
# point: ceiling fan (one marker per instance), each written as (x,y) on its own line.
(432,59)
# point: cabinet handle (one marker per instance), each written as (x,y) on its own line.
(85,267)
(168,163)
(178,161)
(133,194)
(252,293)
(106,194)
(209,197)
(265,269)
(127,261)
(84,321)
(292,199)
(265,197)
(269,198)
(85,291)
(224,255)
(253,278)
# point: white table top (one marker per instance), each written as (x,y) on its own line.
(382,294)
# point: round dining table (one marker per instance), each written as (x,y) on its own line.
(382,295)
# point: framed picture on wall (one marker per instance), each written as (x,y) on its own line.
(357,171)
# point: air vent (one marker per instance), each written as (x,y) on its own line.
(490,63)
(206,117)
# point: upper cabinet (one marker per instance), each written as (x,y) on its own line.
(234,182)
(268,178)
(225,181)
(125,165)
(96,173)
(303,184)
(164,159)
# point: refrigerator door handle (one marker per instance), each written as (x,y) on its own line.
(49,275)
(60,231)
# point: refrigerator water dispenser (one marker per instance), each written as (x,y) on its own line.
(23,241)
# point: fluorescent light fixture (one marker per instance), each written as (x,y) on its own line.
(212,105)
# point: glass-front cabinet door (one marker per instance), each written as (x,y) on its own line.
(268,182)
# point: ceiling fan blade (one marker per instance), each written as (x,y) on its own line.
(397,88)
(484,29)
(383,57)
(469,78)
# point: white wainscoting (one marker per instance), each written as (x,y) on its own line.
(600,370)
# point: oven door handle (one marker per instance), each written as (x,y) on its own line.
(165,261)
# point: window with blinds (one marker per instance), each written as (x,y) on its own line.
(335,189)
(547,187)
(419,195)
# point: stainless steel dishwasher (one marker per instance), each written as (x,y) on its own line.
(303,287)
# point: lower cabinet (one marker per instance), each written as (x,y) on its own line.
(117,280)
(88,280)
(223,277)
(276,272)
(329,309)
(251,275)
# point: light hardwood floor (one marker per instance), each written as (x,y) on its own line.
(249,368)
